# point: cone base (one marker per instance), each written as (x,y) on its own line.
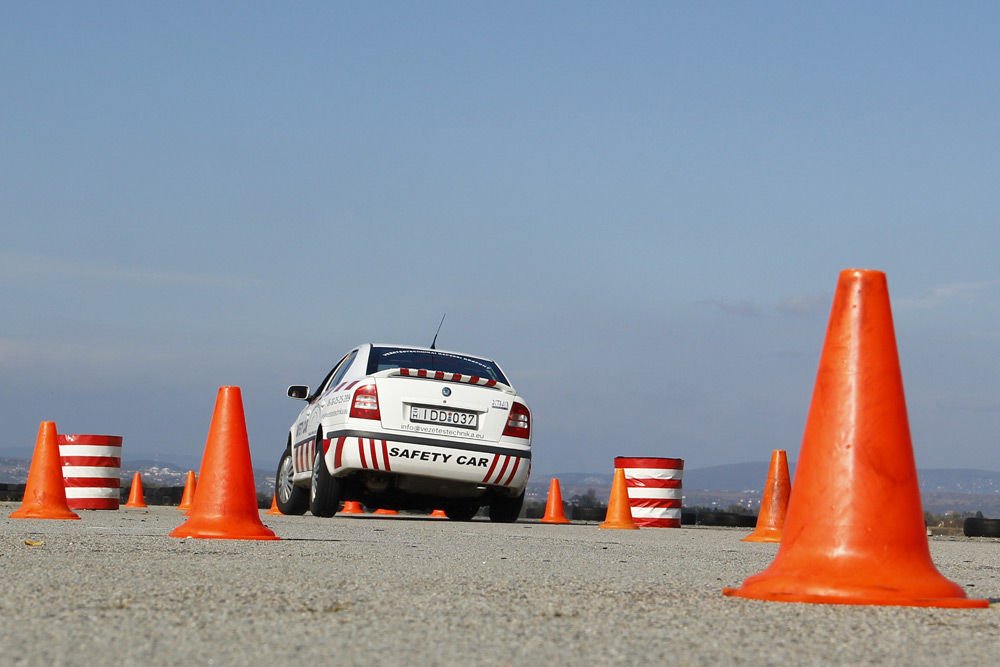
(618,525)
(873,598)
(554,519)
(35,513)
(763,535)
(213,529)
(135,506)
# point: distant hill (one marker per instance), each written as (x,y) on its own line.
(751,476)
(942,490)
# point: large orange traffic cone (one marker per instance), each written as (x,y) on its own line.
(554,505)
(854,533)
(45,491)
(274,505)
(225,503)
(136,498)
(619,511)
(187,498)
(352,507)
(771,518)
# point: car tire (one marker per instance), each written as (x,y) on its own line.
(289,498)
(324,492)
(461,510)
(506,509)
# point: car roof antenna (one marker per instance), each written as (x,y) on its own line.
(434,342)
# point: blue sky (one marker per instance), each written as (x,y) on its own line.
(640,210)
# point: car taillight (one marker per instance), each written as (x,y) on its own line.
(365,405)
(518,422)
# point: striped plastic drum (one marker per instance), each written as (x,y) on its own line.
(654,490)
(91,465)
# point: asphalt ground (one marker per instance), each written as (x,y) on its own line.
(114,589)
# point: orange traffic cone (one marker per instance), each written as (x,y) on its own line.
(385,512)
(554,505)
(619,511)
(854,533)
(225,503)
(187,498)
(771,518)
(136,499)
(438,514)
(352,507)
(274,505)
(45,491)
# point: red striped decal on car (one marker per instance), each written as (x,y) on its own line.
(371,443)
(506,462)
(338,454)
(517,462)
(385,455)
(489,473)
(361,450)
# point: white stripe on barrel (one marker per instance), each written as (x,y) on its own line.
(91,467)
(654,489)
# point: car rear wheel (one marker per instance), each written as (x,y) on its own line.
(461,510)
(324,492)
(290,499)
(506,510)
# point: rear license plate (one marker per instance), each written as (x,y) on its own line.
(446,417)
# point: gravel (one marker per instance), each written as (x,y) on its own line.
(417,591)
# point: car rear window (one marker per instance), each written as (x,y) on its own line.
(384,358)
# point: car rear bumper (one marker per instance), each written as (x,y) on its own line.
(478,463)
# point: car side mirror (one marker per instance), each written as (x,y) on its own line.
(299,391)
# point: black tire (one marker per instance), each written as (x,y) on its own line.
(461,510)
(290,499)
(979,527)
(506,509)
(324,492)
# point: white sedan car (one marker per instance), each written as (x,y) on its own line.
(402,427)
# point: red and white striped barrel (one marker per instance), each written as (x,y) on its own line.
(91,465)
(654,490)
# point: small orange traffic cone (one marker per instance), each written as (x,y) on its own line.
(187,498)
(45,491)
(352,507)
(274,505)
(619,514)
(225,503)
(385,512)
(136,499)
(854,533)
(438,514)
(554,505)
(771,518)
